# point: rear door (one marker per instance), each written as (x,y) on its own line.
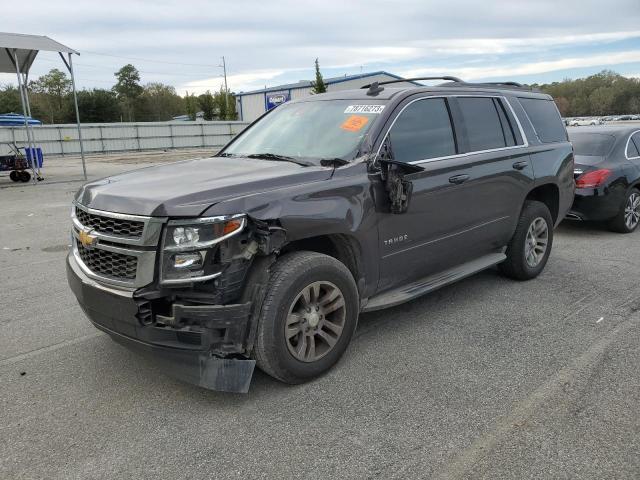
(501,170)
(463,202)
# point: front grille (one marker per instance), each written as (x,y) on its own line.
(110,226)
(110,264)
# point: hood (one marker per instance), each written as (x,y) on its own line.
(188,188)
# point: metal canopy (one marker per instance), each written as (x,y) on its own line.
(17,53)
(26,47)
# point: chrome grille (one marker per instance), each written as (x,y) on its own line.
(119,249)
(110,264)
(109,225)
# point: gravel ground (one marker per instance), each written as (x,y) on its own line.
(488,378)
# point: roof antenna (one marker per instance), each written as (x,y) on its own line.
(374,89)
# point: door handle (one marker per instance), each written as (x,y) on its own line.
(458,179)
(521,165)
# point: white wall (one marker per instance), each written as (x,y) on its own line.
(119,137)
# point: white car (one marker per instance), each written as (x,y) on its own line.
(581,122)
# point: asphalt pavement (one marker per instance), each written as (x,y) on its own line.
(487,378)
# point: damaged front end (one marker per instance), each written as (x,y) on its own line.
(197,318)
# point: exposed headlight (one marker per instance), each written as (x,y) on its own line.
(188,247)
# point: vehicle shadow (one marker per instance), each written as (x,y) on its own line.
(575,226)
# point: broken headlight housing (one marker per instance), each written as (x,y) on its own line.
(188,247)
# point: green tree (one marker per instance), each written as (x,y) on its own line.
(128,89)
(601,101)
(158,103)
(207,104)
(319,85)
(191,104)
(96,106)
(225,105)
(605,93)
(51,94)
(10,99)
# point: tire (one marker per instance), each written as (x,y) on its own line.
(519,265)
(293,273)
(24,176)
(629,210)
(14,175)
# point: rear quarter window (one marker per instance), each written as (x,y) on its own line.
(545,119)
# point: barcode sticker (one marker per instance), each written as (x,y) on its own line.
(364,109)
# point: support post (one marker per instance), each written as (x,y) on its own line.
(24,113)
(25,80)
(75,103)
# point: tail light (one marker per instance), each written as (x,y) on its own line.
(593,179)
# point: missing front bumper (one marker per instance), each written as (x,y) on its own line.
(214,360)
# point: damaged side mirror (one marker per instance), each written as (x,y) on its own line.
(394,175)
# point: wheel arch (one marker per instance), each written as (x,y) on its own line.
(549,194)
(343,247)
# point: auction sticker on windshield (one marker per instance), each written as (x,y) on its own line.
(364,109)
(354,123)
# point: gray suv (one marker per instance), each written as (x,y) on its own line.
(323,208)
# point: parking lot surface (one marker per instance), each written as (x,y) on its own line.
(487,378)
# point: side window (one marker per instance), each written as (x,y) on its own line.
(422,131)
(507,126)
(545,119)
(633,147)
(482,122)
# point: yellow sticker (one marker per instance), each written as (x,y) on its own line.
(354,123)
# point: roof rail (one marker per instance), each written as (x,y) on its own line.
(376,87)
(513,84)
(399,80)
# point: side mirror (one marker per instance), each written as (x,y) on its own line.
(394,174)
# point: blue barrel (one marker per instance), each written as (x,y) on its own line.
(38,155)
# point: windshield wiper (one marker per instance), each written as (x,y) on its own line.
(279,158)
(333,162)
(226,155)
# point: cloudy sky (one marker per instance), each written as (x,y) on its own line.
(273,42)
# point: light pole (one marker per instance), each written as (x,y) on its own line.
(226,88)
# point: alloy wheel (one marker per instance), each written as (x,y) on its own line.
(632,211)
(315,321)
(536,242)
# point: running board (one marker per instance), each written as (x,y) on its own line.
(431,283)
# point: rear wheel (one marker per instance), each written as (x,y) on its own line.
(529,249)
(14,176)
(308,317)
(25,176)
(628,218)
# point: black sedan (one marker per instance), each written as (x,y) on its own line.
(607,174)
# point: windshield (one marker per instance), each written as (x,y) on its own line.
(592,144)
(325,129)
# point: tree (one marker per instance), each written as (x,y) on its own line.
(226,105)
(605,93)
(51,92)
(191,103)
(10,99)
(563,105)
(96,106)
(207,104)
(319,85)
(601,101)
(128,90)
(158,103)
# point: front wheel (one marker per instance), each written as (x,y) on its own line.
(628,218)
(308,317)
(530,246)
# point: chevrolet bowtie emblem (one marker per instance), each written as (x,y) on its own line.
(86,239)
